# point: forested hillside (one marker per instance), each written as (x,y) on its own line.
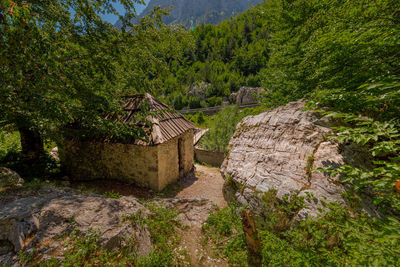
(228,56)
(292,49)
(63,71)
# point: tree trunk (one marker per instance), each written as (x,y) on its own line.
(32,146)
(252,239)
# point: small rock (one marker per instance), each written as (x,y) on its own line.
(54,154)
(65,183)
(9,178)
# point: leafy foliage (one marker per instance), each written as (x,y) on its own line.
(78,65)
(223,127)
(224,229)
(9,144)
(328,49)
(339,237)
(383,141)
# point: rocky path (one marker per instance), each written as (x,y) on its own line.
(206,183)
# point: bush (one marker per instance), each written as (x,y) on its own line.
(179,101)
(10,144)
(382,182)
(214,101)
(224,229)
(223,127)
(194,102)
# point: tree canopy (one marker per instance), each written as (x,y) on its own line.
(62,64)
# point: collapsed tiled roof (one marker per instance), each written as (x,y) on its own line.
(167,123)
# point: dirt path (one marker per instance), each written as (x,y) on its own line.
(206,183)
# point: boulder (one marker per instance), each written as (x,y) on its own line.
(277,150)
(9,178)
(246,95)
(41,219)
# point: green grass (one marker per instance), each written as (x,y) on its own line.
(83,249)
(112,194)
(162,223)
(10,143)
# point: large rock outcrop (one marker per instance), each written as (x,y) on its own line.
(38,219)
(278,149)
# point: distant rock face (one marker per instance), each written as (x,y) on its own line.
(196,12)
(246,96)
(277,150)
(198,90)
(39,219)
(9,178)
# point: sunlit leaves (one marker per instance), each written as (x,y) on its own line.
(383,141)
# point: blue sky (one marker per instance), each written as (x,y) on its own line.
(112,18)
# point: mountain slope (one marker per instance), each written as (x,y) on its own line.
(195,12)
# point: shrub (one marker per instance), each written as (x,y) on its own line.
(383,141)
(194,102)
(224,229)
(10,144)
(223,127)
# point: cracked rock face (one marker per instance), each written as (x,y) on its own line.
(40,219)
(277,150)
(246,95)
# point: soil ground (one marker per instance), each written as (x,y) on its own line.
(205,182)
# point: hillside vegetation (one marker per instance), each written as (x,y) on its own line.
(340,55)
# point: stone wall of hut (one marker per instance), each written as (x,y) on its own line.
(168,158)
(149,166)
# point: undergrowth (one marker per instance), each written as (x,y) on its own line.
(162,223)
(223,230)
(340,237)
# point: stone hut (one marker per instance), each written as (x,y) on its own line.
(167,156)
